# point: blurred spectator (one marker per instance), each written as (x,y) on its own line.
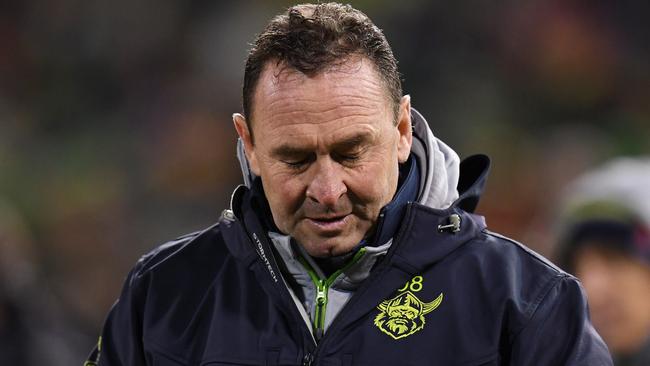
(34,327)
(606,243)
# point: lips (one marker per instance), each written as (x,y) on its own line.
(328,219)
(329,224)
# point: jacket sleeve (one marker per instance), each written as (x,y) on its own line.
(559,331)
(121,341)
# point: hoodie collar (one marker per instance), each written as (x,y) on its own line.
(439,165)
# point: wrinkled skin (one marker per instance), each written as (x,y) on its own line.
(327,150)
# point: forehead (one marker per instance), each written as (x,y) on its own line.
(350,92)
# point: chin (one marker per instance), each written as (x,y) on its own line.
(328,247)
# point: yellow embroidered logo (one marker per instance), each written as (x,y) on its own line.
(403,315)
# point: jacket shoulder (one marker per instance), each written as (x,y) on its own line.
(182,251)
(518,249)
(526,278)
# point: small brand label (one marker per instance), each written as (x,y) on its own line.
(262,254)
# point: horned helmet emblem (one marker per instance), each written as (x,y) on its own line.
(403,315)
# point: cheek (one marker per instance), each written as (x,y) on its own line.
(633,288)
(284,193)
(374,182)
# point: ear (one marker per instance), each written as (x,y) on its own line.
(404,129)
(244,134)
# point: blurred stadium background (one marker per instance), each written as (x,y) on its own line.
(116,135)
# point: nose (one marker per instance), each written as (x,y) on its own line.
(326,186)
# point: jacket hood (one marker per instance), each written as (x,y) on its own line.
(439,165)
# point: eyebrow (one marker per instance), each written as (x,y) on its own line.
(347,143)
(288,150)
(352,141)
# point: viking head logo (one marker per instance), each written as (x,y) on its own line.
(403,315)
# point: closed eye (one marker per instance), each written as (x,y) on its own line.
(297,164)
(348,157)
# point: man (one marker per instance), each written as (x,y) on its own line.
(353,241)
(606,243)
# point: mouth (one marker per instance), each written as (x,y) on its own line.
(329,224)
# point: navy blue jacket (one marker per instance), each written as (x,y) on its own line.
(448,292)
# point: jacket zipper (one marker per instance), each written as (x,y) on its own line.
(311,356)
(321,308)
(322,289)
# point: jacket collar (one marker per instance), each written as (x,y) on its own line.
(391,215)
(473,176)
(418,244)
(446,187)
(474,173)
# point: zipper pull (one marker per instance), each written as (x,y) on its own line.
(321,306)
(321,295)
(308,359)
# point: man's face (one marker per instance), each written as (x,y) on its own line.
(618,289)
(327,149)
